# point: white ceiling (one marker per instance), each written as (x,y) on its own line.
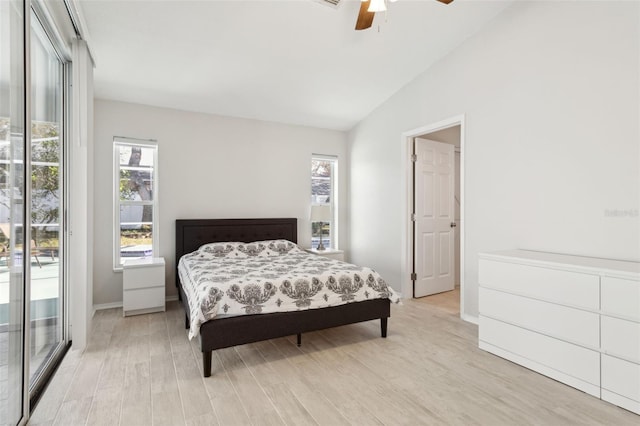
(290,61)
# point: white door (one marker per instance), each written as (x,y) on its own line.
(434,216)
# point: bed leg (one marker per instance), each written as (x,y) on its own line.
(206,363)
(383,327)
(299,339)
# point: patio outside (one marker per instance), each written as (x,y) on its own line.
(45,327)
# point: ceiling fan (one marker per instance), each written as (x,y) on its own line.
(368,9)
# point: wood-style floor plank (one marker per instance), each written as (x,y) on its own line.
(167,409)
(73,412)
(105,407)
(223,396)
(252,396)
(136,405)
(334,387)
(143,370)
(320,409)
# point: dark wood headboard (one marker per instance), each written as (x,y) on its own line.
(192,233)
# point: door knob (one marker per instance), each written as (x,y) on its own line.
(453,224)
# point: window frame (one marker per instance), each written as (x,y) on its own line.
(118,142)
(333,240)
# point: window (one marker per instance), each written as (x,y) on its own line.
(324,184)
(136,199)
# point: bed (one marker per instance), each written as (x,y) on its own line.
(227,331)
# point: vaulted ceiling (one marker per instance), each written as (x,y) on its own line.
(291,61)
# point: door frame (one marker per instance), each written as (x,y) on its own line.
(407,206)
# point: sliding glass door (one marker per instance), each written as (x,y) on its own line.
(12,137)
(46,202)
(32,205)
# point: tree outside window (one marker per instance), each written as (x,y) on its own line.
(323,191)
(46,185)
(136,199)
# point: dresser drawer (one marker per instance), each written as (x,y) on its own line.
(621,297)
(146,298)
(621,377)
(560,357)
(621,338)
(564,287)
(573,325)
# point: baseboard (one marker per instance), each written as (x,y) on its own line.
(469,318)
(103,306)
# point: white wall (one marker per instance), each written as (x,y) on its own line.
(550,95)
(209,167)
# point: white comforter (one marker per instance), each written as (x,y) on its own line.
(270,276)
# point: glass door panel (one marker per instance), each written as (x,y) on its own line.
(46,202)
(12,127)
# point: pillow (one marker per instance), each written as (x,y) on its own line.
(254,249)
(223,249)
(280,247)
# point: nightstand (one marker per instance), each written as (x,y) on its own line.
(330,253)
(143,286)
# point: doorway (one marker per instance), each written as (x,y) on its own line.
(433,217)
(435,239)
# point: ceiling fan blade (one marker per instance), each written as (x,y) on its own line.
(365,18)
(445,1)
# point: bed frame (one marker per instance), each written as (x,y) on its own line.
(227,332)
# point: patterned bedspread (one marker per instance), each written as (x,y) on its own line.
(270,276)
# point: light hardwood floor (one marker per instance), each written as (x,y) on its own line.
(143,370)
(448,301)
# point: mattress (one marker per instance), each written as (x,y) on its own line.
(228,279)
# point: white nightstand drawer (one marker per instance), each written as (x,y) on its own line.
(573,325)
(621,297)
(146,298)
(564,287)
(621,377)
(621,338)
(150,276)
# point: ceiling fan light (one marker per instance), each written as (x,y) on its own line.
(377,6)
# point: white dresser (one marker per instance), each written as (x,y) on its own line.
(575,319)
(143,286)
